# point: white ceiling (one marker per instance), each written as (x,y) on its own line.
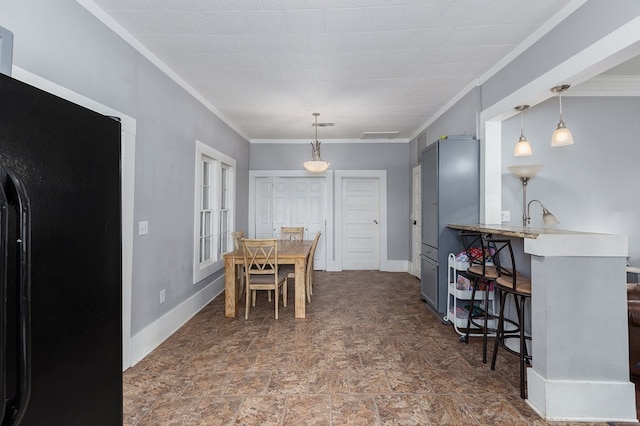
(366,65)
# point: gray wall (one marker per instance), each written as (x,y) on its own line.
(392,157)
(592,21)
(460,119)
(63,43)
(591,185)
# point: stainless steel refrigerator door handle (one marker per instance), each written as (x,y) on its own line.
(17,196)
(4,226)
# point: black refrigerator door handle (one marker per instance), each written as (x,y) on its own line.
(18,198)
(4,226)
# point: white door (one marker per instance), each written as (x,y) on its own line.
(416,214)
(292,202)
(298,198)
(281,205)
(316,219)
(264,208)
(360,219)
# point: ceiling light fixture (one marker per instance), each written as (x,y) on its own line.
(523,148)
(562,135)
(316,164)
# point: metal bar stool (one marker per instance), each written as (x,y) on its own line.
(509,282)
(481,271)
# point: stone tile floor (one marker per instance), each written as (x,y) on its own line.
(368,353)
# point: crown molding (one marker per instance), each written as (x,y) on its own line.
(330,141)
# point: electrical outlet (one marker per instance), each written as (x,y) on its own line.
(143,228)
(505,216)
(162,296)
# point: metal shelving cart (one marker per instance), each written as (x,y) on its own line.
(457,292)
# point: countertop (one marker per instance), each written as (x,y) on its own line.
(556,242)
(515,231)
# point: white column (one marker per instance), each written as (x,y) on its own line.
(580,368)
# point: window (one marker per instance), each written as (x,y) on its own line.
(214,210)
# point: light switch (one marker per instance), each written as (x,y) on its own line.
(143,228)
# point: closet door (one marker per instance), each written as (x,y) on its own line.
(316,219)
(299,204)
(292,202)
(281,205)
(264,208)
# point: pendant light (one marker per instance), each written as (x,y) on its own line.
(316,164)
(562,135)
(523,148)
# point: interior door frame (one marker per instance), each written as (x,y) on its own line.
(127,157)
(381,176)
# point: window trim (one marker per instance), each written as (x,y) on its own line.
(202,270)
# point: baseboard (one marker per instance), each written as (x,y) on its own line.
(395,266)
(387,266)
(581,401)
(154,334)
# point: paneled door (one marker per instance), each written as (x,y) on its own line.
(264,208)
(292,201)
(360,220)
(283,205)
(315,215)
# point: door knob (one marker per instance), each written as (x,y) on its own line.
(375,221)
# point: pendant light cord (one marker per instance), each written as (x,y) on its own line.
(560,99)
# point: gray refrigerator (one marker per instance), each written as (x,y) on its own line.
(450,194)
(60,261)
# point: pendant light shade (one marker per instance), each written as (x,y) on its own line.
(316,164)
(523,147)
(562,135)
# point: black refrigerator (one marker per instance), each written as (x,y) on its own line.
(60,240)
(450,194)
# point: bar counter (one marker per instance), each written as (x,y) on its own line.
(580,358)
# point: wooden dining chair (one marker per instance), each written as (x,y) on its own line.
(237,239)
(262,272)
(237,245)
(295,233)
(308,284)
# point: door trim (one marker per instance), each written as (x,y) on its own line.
(381,175)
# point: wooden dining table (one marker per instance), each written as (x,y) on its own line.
(290,252)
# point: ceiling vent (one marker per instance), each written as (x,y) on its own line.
(379,135)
